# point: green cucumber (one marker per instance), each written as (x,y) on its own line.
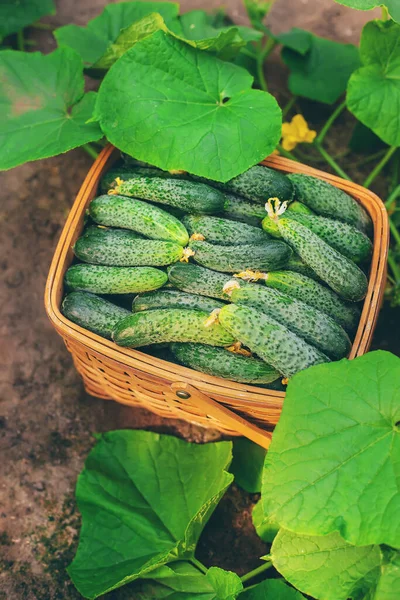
(345,238)
(270,340)
(190,196)
(314,326)
(299,208)
(174,299)
(129,213)
(222,363)
(223,231)
(169,325)
(257,184)
(93,313)
(114,280)
(108,181)
(270,226)
(313,293)
(296,264)
(123,248)
(329,201)
(198,280)
(242,210)
(340,273)
(271,255)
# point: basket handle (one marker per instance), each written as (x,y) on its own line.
(185,391)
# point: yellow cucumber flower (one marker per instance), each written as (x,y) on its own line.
(296,132)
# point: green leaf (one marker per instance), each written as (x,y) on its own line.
(296,39)
(326,567)
(364,141)
(334,460)
(266,528)
(247,464)
(388,587)
(271,589)
(373,94)
(257,10)
(393,6)
(322,72)
(144,499)
(41,120)
(226,584)
(17,14)
(179,108)
(93,41)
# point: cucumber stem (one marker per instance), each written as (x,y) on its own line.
(257,571)
(196,563)
(43,26)
(286,153)
(289,106)
(395,269)
(328,158)
(393,196)
(320,137)
(89,150)
(394,232)
(375,172)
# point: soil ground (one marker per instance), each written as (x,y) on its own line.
(46,418)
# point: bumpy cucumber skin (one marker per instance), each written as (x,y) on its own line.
(114,280)
(329,201)
(307,322)
(313,293)
(270,340)
(174,299)
(129,213)
(296,264)
(271,255)
(257,184)
(299,208)
(108,180)
(340,273)
(93,313)
(242,210)
(169,325)
(198,280)
(221,363)
(123,248)
(189,196)
(270,226)
(223,231)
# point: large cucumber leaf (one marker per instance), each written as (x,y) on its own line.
(393,6)
(177,107)
(144,499)
(44,108)
(373,93)
(271,589)
(334,460)
(17,14)
(247,464)
(266,528)
(93,41)
(319,68)
(327,568)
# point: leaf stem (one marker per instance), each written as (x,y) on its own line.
(394,232)
(257,571)
(395,269)
(328,158)
(289,106)
(393,196)
(198,564)
(286,153)
(20,40)
(320,137)
(44,26)
(90,150)
(369,158)
(375,172)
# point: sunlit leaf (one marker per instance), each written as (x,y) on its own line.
(393,6)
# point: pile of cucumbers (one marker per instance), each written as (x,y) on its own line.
(252,280)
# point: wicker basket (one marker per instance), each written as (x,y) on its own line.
(137,379)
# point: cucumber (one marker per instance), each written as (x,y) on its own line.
(329,201)
(222,231)
(345,238)
(198,280)
(270,226)
(270,340)
(271,255)
(169,325)
(129,213)
(124,248)
(92,313)
(108,181)
(340,273)
(243,210)
(222,363)
(114,280)
(190,196)
(174,299)
(298,207)
(313,293)
(314,326)
(296,264)
(257,184)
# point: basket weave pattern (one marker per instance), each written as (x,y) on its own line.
(137,379)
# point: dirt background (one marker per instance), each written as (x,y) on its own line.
(46,418)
